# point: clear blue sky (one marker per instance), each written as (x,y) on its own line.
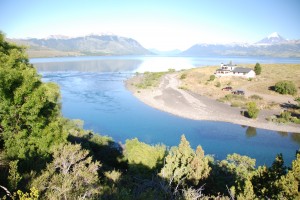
(161,24)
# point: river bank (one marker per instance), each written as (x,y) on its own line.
(169,98)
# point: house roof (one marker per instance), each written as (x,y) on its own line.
(242,70)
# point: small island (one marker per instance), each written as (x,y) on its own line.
(204,94)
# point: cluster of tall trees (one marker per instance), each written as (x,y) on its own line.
(45,156)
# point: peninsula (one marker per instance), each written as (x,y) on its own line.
(190,94)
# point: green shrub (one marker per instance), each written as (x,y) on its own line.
(257,69)
(218,84)
(285,87)
(212,77)
(183,76)
(143,158)
(296,120)
(286,117)
(252,110)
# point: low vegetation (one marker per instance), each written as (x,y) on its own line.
(262,87)
(212,78)
(149,79)
(45,156)
(183,76)
(235,100)
(290,115)
(285,87)
(252,110)
(197,80)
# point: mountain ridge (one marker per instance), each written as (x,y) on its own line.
(273,45)
(83,45)
(273,38)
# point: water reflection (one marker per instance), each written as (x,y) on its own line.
(118,65)
(283,134)
(251,132)
(141,63)
(296,137)
(157,64)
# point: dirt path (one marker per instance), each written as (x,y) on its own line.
(167,97)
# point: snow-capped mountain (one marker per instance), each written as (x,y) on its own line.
(273,45)
(57,37)
(274,38)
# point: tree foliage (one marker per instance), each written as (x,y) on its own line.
(265,180)
(257,69)
(143,157)
(289,185)
(285,87)
(14,177)
(183,164)
(252,110)
(71,174)
(29,109)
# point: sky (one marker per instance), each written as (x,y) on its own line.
(159,24)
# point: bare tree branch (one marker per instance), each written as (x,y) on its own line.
(6,190)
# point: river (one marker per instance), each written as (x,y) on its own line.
(93,90)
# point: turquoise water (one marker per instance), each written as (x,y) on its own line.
(93,90)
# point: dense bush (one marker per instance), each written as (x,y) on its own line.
(183,76)
(143,158)
(285,87)
(257,69)
(212,77)
(286,117)
(252,110)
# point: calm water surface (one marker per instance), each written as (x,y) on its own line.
(93,90)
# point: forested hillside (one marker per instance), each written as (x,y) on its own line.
(46,156)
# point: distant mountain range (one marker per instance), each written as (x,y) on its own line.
(58,45)
(272,39)
(166,53)
(273,46)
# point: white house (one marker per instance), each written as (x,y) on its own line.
(234,70)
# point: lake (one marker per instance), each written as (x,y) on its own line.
(93,90)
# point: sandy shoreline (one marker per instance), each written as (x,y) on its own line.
(168,98)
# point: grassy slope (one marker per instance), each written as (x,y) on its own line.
(197,81)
